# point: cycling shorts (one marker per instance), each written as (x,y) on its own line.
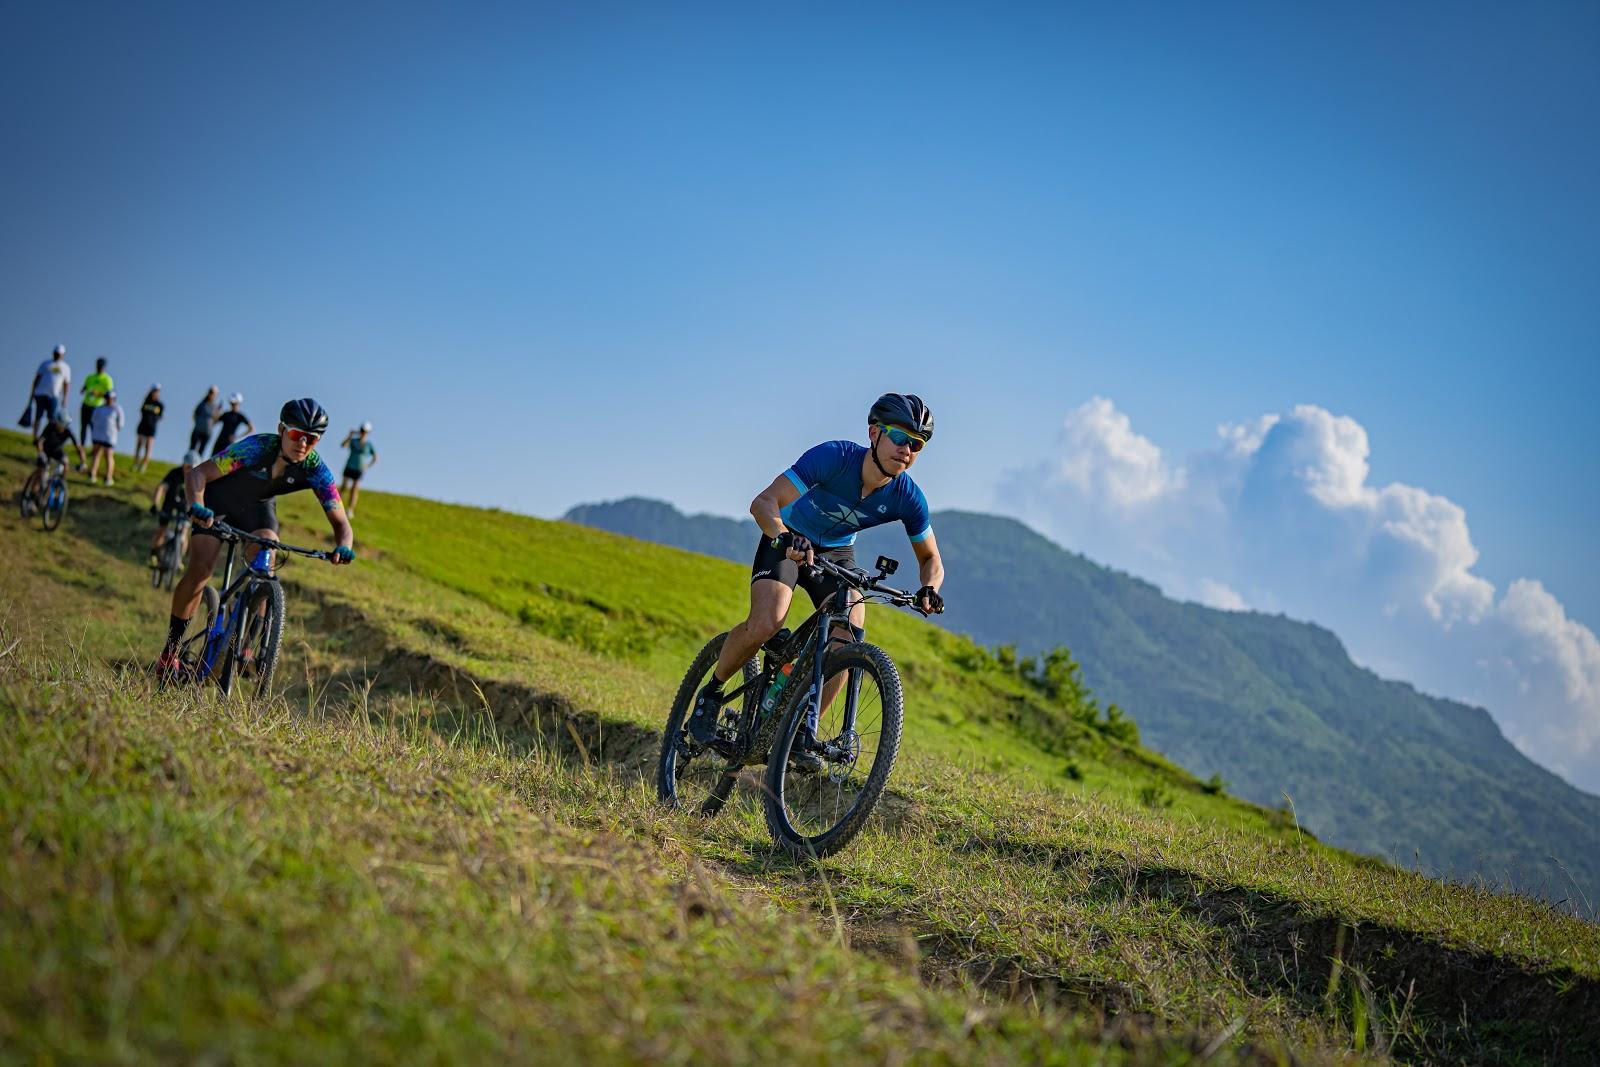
(239,503)
(775,565)
(50,457)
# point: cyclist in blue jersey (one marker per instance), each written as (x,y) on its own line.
(239,485)
(814,509)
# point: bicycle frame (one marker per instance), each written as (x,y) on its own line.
(812,639)
(233,601)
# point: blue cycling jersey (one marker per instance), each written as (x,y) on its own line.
(831,509)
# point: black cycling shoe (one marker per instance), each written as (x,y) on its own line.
(805,755)
(707,708)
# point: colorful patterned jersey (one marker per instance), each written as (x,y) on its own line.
(254,456)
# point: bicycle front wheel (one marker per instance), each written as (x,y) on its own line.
(691,776)
(256,633)
(55,505)
(812,813)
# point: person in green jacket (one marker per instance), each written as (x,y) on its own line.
(95,389)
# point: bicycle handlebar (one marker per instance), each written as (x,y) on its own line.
(223,532)
(862,581)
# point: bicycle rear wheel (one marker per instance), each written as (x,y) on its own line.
(814,814)
(690,776)
(252,652)
(55,504)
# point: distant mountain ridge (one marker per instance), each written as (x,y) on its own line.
(1272,704)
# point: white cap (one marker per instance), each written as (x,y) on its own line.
(236,398)
(61,350)
(366,427)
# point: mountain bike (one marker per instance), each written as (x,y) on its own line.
(848,693)
(51,500)
(244,623)
(169,556)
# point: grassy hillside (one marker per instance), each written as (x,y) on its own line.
(1272,705)
(441,838)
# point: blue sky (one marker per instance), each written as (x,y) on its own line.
(566,253)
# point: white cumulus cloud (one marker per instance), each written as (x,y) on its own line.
(1281,515)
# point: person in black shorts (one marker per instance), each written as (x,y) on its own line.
(167,504)
(239,485)
(205,413)
(150,413)
(229,422)
(362,455)
(815,508)
(51,447)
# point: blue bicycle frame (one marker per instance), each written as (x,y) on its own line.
(232,602)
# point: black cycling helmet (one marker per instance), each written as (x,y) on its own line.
(304,414)
(906,410)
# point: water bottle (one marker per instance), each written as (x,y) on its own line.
(775,690)
(262,564)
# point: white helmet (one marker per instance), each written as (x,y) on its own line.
(236,398)
(61,350)
(366,427)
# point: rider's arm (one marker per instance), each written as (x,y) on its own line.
(929,565)
(343,534)
(768,505)
(199,476)
(158,493)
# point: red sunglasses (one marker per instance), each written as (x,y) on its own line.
(301,435)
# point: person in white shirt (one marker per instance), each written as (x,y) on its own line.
(105,424)
(52,384)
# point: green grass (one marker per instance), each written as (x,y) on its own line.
(468,715)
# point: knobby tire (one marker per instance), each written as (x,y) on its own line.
(262,635)
(671,786)
(781,781)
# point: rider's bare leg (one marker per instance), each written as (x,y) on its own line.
(769,606)
(202,561)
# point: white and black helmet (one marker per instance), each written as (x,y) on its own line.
(903,409)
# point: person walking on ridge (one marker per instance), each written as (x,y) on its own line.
(107,424)
(52,386)
(205,413)
(362,456)
(150,413)
(229,421)
(95,389)
(815,508)
(239,485)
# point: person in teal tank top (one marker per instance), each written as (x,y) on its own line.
(362,456)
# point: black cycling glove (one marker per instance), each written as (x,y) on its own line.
(930,596)
(789,539)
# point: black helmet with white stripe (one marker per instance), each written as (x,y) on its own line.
(905,410)
(304,414)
